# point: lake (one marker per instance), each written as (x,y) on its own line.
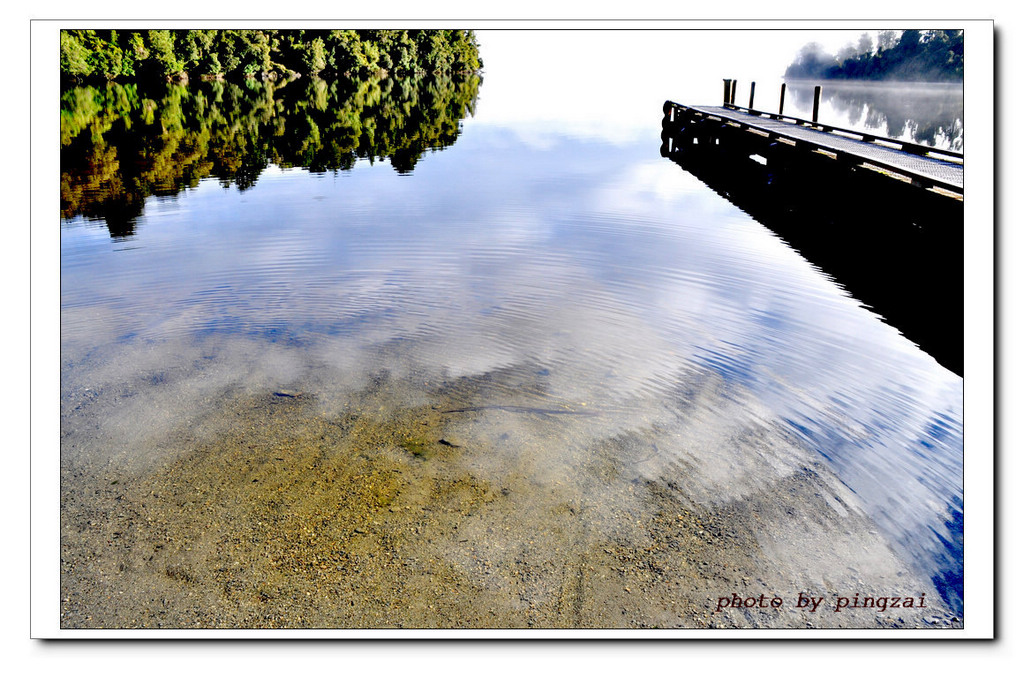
(376,355)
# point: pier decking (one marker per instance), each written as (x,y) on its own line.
(929,168)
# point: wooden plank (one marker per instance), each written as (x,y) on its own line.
(919,164)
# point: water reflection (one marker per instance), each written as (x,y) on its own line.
(123,143)
(608,348)
(926,113)
(893,246)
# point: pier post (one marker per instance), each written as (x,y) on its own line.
(725,94)
(751,105)
(732,93)
(782,98)
(817,102)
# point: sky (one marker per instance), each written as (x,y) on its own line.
(565,75)
(638,52)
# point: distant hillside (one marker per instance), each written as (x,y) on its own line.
(919,56)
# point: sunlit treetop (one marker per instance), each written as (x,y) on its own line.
(264,54)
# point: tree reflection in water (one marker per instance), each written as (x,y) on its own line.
(123,143)
(926,113)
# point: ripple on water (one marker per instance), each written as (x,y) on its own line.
(719,364)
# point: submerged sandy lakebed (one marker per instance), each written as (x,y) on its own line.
(277,509)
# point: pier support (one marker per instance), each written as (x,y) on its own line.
(894,246)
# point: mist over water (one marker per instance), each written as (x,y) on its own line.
(928,114)
(569,296)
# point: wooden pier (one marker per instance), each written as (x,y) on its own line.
(881,217)
(772,136)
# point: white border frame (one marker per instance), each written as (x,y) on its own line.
(979,321)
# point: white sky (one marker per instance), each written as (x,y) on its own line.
(636,52)
(566,75)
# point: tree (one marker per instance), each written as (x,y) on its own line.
(934,55)
(466,51)
(262,53)
(865,45)
(347,54)
(887,40)
(161,47)
(74,56)
(812,62)
(846,53)
(315,58)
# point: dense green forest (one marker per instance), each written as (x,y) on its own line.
(265,54)
(121,143)
(921,56)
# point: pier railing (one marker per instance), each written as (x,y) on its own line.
(886,142)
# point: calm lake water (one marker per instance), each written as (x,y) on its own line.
(926,113)
(398,246)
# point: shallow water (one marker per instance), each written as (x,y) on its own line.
(581,322)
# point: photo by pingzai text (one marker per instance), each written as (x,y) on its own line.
(811,603)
